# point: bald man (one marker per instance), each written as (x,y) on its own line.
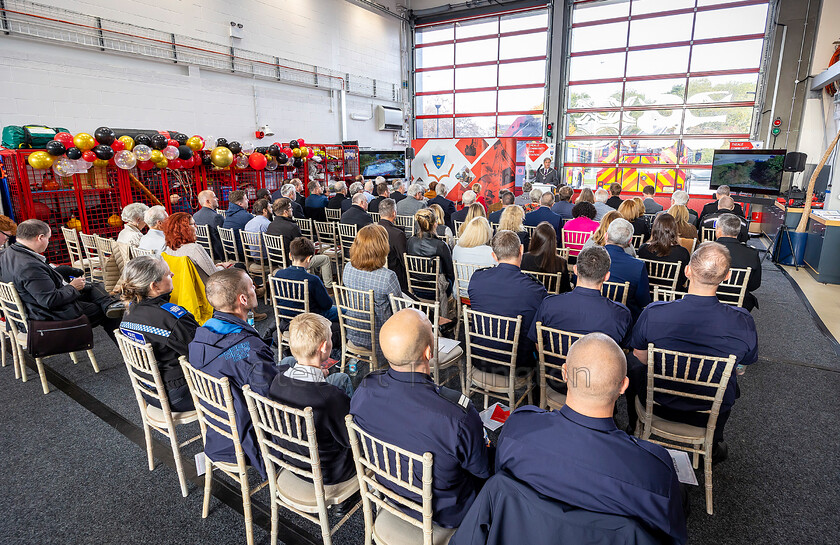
(577,455)
(726,205)
(207,215)
(403,406)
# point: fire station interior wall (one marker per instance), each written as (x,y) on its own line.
(81,89)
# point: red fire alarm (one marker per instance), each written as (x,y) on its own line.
(259,134)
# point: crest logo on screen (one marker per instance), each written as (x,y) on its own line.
(438,160)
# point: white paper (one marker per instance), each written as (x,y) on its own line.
(200,466)
(682,463)
(445,345)
(486,415)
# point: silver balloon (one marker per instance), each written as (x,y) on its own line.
(80,166)
(241,161)
(125,159)
(143,152)
(272,164)
(64,167)
(170,152)
(248,147)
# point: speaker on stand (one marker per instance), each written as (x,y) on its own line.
(409,156)
(794,162)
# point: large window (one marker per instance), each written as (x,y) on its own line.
(482,77)
(654,86)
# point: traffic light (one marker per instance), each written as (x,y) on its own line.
(549,130)
(777,126)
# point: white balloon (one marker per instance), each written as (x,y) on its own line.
(143,152)
(248,147)
(170,152)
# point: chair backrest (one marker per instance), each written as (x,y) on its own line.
(553,347)
(105,247)
(573,241)
(616,291)
(305,226)
(13,309)
(228,238)
(563,252)
(637,241)
(688,244)
(97,264)
(289,298)
(326,233)
(733,291)
(663,294)
(375,216)
(649,219)
(530,229)
(422,274)
(492,339)
(708,233)
(356,312)
(252,249)
(346,236)
(143,371)
(663,273)
(463,273)
(333,214)
(551,281)
(407,223)
(74,247)
(378,461)
(275,250)
(134,251)
(202,237)
(458,225)
(221,212)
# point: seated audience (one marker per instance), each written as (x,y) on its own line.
(475,211)
(586,195)
(479,198)
(651,206)
(611,472)
(398,193)
(583,220)
(207,215)
(698,324)
(430,192)
(601,206)
(315,203)
(397,241)
(154,239)
(179,234)
(631,211)
(285,226)
(542,255)
(299,198)
(237,215)
(382,193)
(357,213)
(563,206)
(467,199)
(48,292)
(413,202)
(443,231)
(262,217)
(664,245)
(742,256)
(145,287)
(685,229)
(301,251)
(625,268)
(599,237)
(369,190)
(474,244)
(524,198)
(290,192)
(226,346)
(8,230)
(712,207)
(615,200)
(425,243)
(506,199)
(133,223)
(336,202)
(513,218)
(544,213)
(445,204)
(431,418)
(534,197)
(680,198)
(726,206)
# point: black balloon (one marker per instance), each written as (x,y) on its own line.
(293,144)
(104,135)
(142,140)
(184,152)
(282,158)
(235,147)
(262,150)
(55,148)
(222,142)
(205,159)
(74,153)
(159,141)
(103,152)
(181,138)
(298,162)
(274,150)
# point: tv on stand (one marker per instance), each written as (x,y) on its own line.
(757,171)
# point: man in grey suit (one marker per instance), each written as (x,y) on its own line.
(413,202)
(601,206)
(651,206)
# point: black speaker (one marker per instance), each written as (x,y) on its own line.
(409,153)
(795,161)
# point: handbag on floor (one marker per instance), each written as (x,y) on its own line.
(49,337)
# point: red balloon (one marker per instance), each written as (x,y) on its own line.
(118,145)
(311,154)
(288,151)
(173,143)
(89,156)
(176,163)
(301,142)
(65,138)
(279,145)
(145,165)
(257,160)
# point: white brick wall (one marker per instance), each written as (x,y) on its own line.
(82,89)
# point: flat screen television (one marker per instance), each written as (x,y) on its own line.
(388,164)
(749,170)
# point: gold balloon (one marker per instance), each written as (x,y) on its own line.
(195,143)
(221,157)
(40,160)
(296,153)
(157,156)
(304,151)
(163,164)
(128,141)
(84,141)
(100,163)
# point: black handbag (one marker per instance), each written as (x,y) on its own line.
(50,337)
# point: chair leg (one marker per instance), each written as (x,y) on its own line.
(147,432)
(43,374)
(208,485)
(74,358)
(179,463)
(246,508)
(21,361)
(275,518)
(707,462)
(3,348)
(15,363)
(93,361)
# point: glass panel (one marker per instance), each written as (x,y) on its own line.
(524,21)
(592,123)
(654,92)
(697,181)
(592,38)
(523,45)
(437,55)
(475,126)
(726,56)
(670,60)
(475,77)
(433,128)
(675,28)
(516,100)
(437,80)
(439,33)
(433,104)
(480,51)
(734,88)
(579,177)
(585,13)
(701,3)
(522,73)
(652,122)
(646,151)
(718,120)
(520,150)
(596,67)
(469,103)
(591,151)
(519,125)
(478,27)
(731,22)
(655,6)
(699,151)
(596,95)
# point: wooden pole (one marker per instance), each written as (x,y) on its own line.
(803,221)
(145,190)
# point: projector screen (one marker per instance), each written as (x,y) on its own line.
(749,171)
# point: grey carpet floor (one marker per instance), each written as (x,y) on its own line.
(70,477)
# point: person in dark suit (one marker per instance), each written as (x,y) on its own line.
(614,200)
(398,193)
(544,213)
(447,205)
(651,206)
(357,213)
(625,268)
(299,198)
(208,216)
(712,207)
(336,202)
(285,226)
(397,241)
(726,206)
(546,174)
(563,207)
(467,199)
(288,191)
(382,193)
(727,231)
(315,203)
(506,199)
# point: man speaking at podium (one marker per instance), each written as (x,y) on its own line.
(546,174)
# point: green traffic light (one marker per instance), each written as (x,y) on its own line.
(776,131)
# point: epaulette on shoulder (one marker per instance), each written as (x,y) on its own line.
(455,397)
(174,309)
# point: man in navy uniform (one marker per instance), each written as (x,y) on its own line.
(593,465)
(727,231)
(404,407)
(725,205)
(626,268)
(226,346)
(699,324)
(544,213)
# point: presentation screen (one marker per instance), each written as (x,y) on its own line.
(749,171)
(388,164)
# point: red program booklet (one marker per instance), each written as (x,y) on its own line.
(499,414)
(329,363)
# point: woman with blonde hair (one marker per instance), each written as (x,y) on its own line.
(599,237)
(512,218)
(475,211)
(629,210)
(425,243)
(684,228)
(474,244)
(586,195)
(442,230)
(479,198)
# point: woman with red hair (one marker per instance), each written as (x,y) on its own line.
(179,231)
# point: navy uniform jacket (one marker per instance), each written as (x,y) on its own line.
(495,217)
(698,325)
(236,218)
(213,220)
(408,410)
(563,209)
(226,346)
(589,463)
(505,290)
(584,311)
(356,215)
(625,268)
(319,299)
(544,213)
(448,209)
(461,215)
